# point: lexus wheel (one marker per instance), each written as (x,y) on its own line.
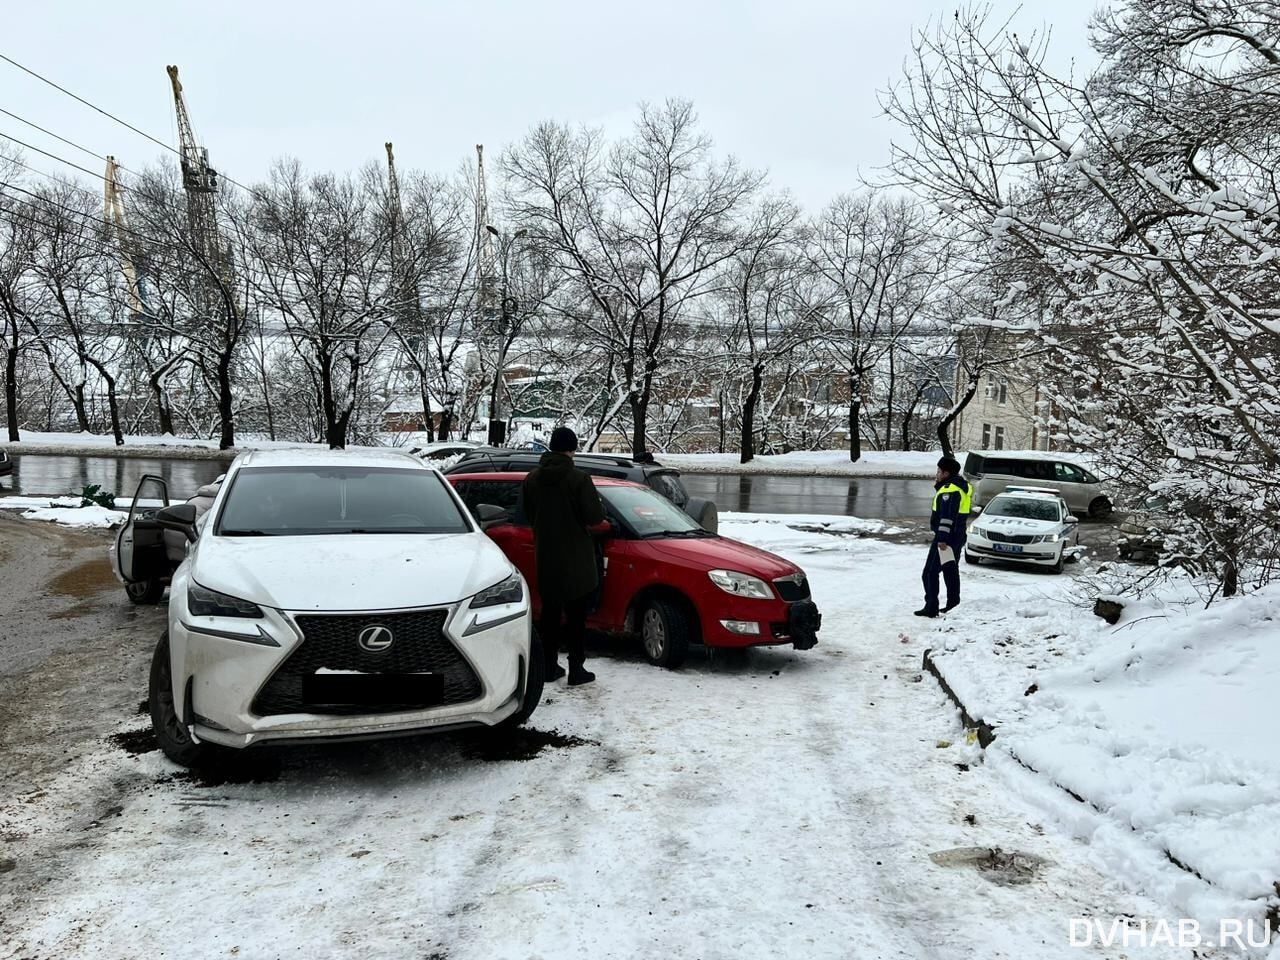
(533,684)
(1100,508)
(165,721)
(666,629)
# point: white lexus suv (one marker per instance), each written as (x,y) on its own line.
(336,595)
(1023,525)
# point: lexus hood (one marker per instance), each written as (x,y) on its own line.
(350,571)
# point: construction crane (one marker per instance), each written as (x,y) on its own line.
(486,254)
(113,213)
(397,214)
(200,181)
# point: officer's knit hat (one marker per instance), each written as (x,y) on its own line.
(949,464)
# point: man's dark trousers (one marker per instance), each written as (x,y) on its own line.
(950,574)
(573,613)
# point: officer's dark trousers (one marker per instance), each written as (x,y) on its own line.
(573,615)
(950,575)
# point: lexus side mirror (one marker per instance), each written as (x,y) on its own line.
(180,517)
(490,515)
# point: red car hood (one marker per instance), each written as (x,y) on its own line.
(721,553)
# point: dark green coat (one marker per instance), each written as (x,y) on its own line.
(561,502)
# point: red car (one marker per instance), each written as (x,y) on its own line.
(666,579)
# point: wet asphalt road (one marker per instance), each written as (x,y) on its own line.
(38,475)
(870,497)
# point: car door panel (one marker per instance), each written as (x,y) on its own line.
(140,552)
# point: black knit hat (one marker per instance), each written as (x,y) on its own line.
(949,464)
(563,440)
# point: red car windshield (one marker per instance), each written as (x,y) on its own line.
(649,515)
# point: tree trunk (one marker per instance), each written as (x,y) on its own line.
(226,409)
(11,391)
(163,414)
(855,414)
(888,406)
(749,414)
(427,416)
(954,412)
(82,414)
(907,416)
(720,421)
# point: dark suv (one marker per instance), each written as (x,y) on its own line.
(655,476)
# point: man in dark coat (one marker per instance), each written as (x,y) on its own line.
(561,503)
(949,523)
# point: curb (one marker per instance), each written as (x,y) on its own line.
(125,452)
(986,732)
(987,735)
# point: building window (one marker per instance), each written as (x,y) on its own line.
(991,386)
(999,438)
(986,436)
(1004,391)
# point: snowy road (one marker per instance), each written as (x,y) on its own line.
(781,805)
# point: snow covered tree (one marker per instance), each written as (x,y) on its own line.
(637,227)
(1132,215)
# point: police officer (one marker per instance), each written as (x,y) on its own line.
(948,521)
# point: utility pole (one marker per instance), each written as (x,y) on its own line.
(508,328)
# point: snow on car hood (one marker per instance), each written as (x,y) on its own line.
(721,553)
(350,571)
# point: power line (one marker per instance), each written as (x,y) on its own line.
(112,116)
(92,106)
(51,156)
(50,133)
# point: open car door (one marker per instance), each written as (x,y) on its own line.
(139,554)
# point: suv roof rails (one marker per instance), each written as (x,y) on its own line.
(1019,489)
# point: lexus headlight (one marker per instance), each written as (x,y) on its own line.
(740,584)
(510,590)
(203,602)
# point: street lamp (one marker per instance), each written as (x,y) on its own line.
(508,327)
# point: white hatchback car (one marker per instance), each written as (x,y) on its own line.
(1023,525)
(337,595)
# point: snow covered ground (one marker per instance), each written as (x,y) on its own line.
(786,804)
(64,510)
(813,463)
(1164,725)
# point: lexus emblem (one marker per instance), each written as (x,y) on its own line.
(375,638)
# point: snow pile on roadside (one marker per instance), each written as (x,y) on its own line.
(75,516)
(816,523)
(813,463)
(1164,724)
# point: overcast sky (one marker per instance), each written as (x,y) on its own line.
(788,85)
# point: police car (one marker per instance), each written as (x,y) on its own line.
(1023,525)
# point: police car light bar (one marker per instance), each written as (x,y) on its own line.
(1048,490)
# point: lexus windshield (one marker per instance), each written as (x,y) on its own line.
(303,501)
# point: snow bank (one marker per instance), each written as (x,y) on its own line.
(94,516)
(815,523)
(813,463)
(1165,724)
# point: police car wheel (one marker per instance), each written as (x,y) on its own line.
(1062,559)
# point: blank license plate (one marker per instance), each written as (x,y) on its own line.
(1007,547)
(418,689)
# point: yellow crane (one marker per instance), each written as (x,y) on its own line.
(113,213)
